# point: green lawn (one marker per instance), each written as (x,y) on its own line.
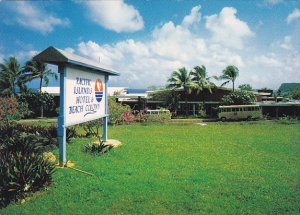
(219,168)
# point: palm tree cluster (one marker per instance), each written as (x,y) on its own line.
(12,75)
(198,80)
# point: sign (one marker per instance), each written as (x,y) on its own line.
(85,93)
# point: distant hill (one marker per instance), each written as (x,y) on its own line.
(286,88)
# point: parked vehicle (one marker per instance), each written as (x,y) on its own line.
(234,112)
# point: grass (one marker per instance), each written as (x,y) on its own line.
(219,168)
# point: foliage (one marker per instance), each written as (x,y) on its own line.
(36,100)
(294,93)
(39,70)
(97,148)
(182,79)
(287,89)
(229,74)
(245,87)
(116,111)
(11,76)
(199,76)
(170,98)
(238,98)
(49,134)
(22,166)
(9,109)
(92,128)
(288,120)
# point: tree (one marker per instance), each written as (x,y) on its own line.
(199,77)
(238,98)
(39,70)
(181,79)
(11,76)
(230,74)
(245,87)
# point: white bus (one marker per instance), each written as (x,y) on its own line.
(240,112)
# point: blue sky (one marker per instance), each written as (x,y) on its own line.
(146,40)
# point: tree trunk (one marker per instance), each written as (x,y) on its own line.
(233,85)
(203,102)
(42,112)
(42,108)
(41,83)
(186,107)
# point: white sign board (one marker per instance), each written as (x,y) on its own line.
(84,96)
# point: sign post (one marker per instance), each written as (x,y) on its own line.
(83,92)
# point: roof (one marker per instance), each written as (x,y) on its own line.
(57,56)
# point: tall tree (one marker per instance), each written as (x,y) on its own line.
(230,74)
(202,81)
(181,79)
(39,70)
(11,76)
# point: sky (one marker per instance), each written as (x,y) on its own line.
(146,40)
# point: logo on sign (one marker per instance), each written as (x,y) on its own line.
(98,90)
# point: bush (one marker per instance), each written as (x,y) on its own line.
(49,134)
(38,103)
(118,113)
(22,166)
(97,148)
(9,109)
(238,98)
(92,128)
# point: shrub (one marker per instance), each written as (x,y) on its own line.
(49,134)
(238,98)
(285,119)
(97,148)
(92,128)
(22,166)
(9,109)
(116,112)
(38,102)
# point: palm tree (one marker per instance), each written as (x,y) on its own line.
(230,74)
(199,77)
(181,79)
(11,76)
(39,70)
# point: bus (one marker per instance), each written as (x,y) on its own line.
(234,112)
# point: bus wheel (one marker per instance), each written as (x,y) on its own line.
(223,119)
(249,118)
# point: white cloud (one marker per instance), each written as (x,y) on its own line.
(115,15)
(227,29)
(193,17)
(272,69)
(293,16)
(32,17)
(171,46)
